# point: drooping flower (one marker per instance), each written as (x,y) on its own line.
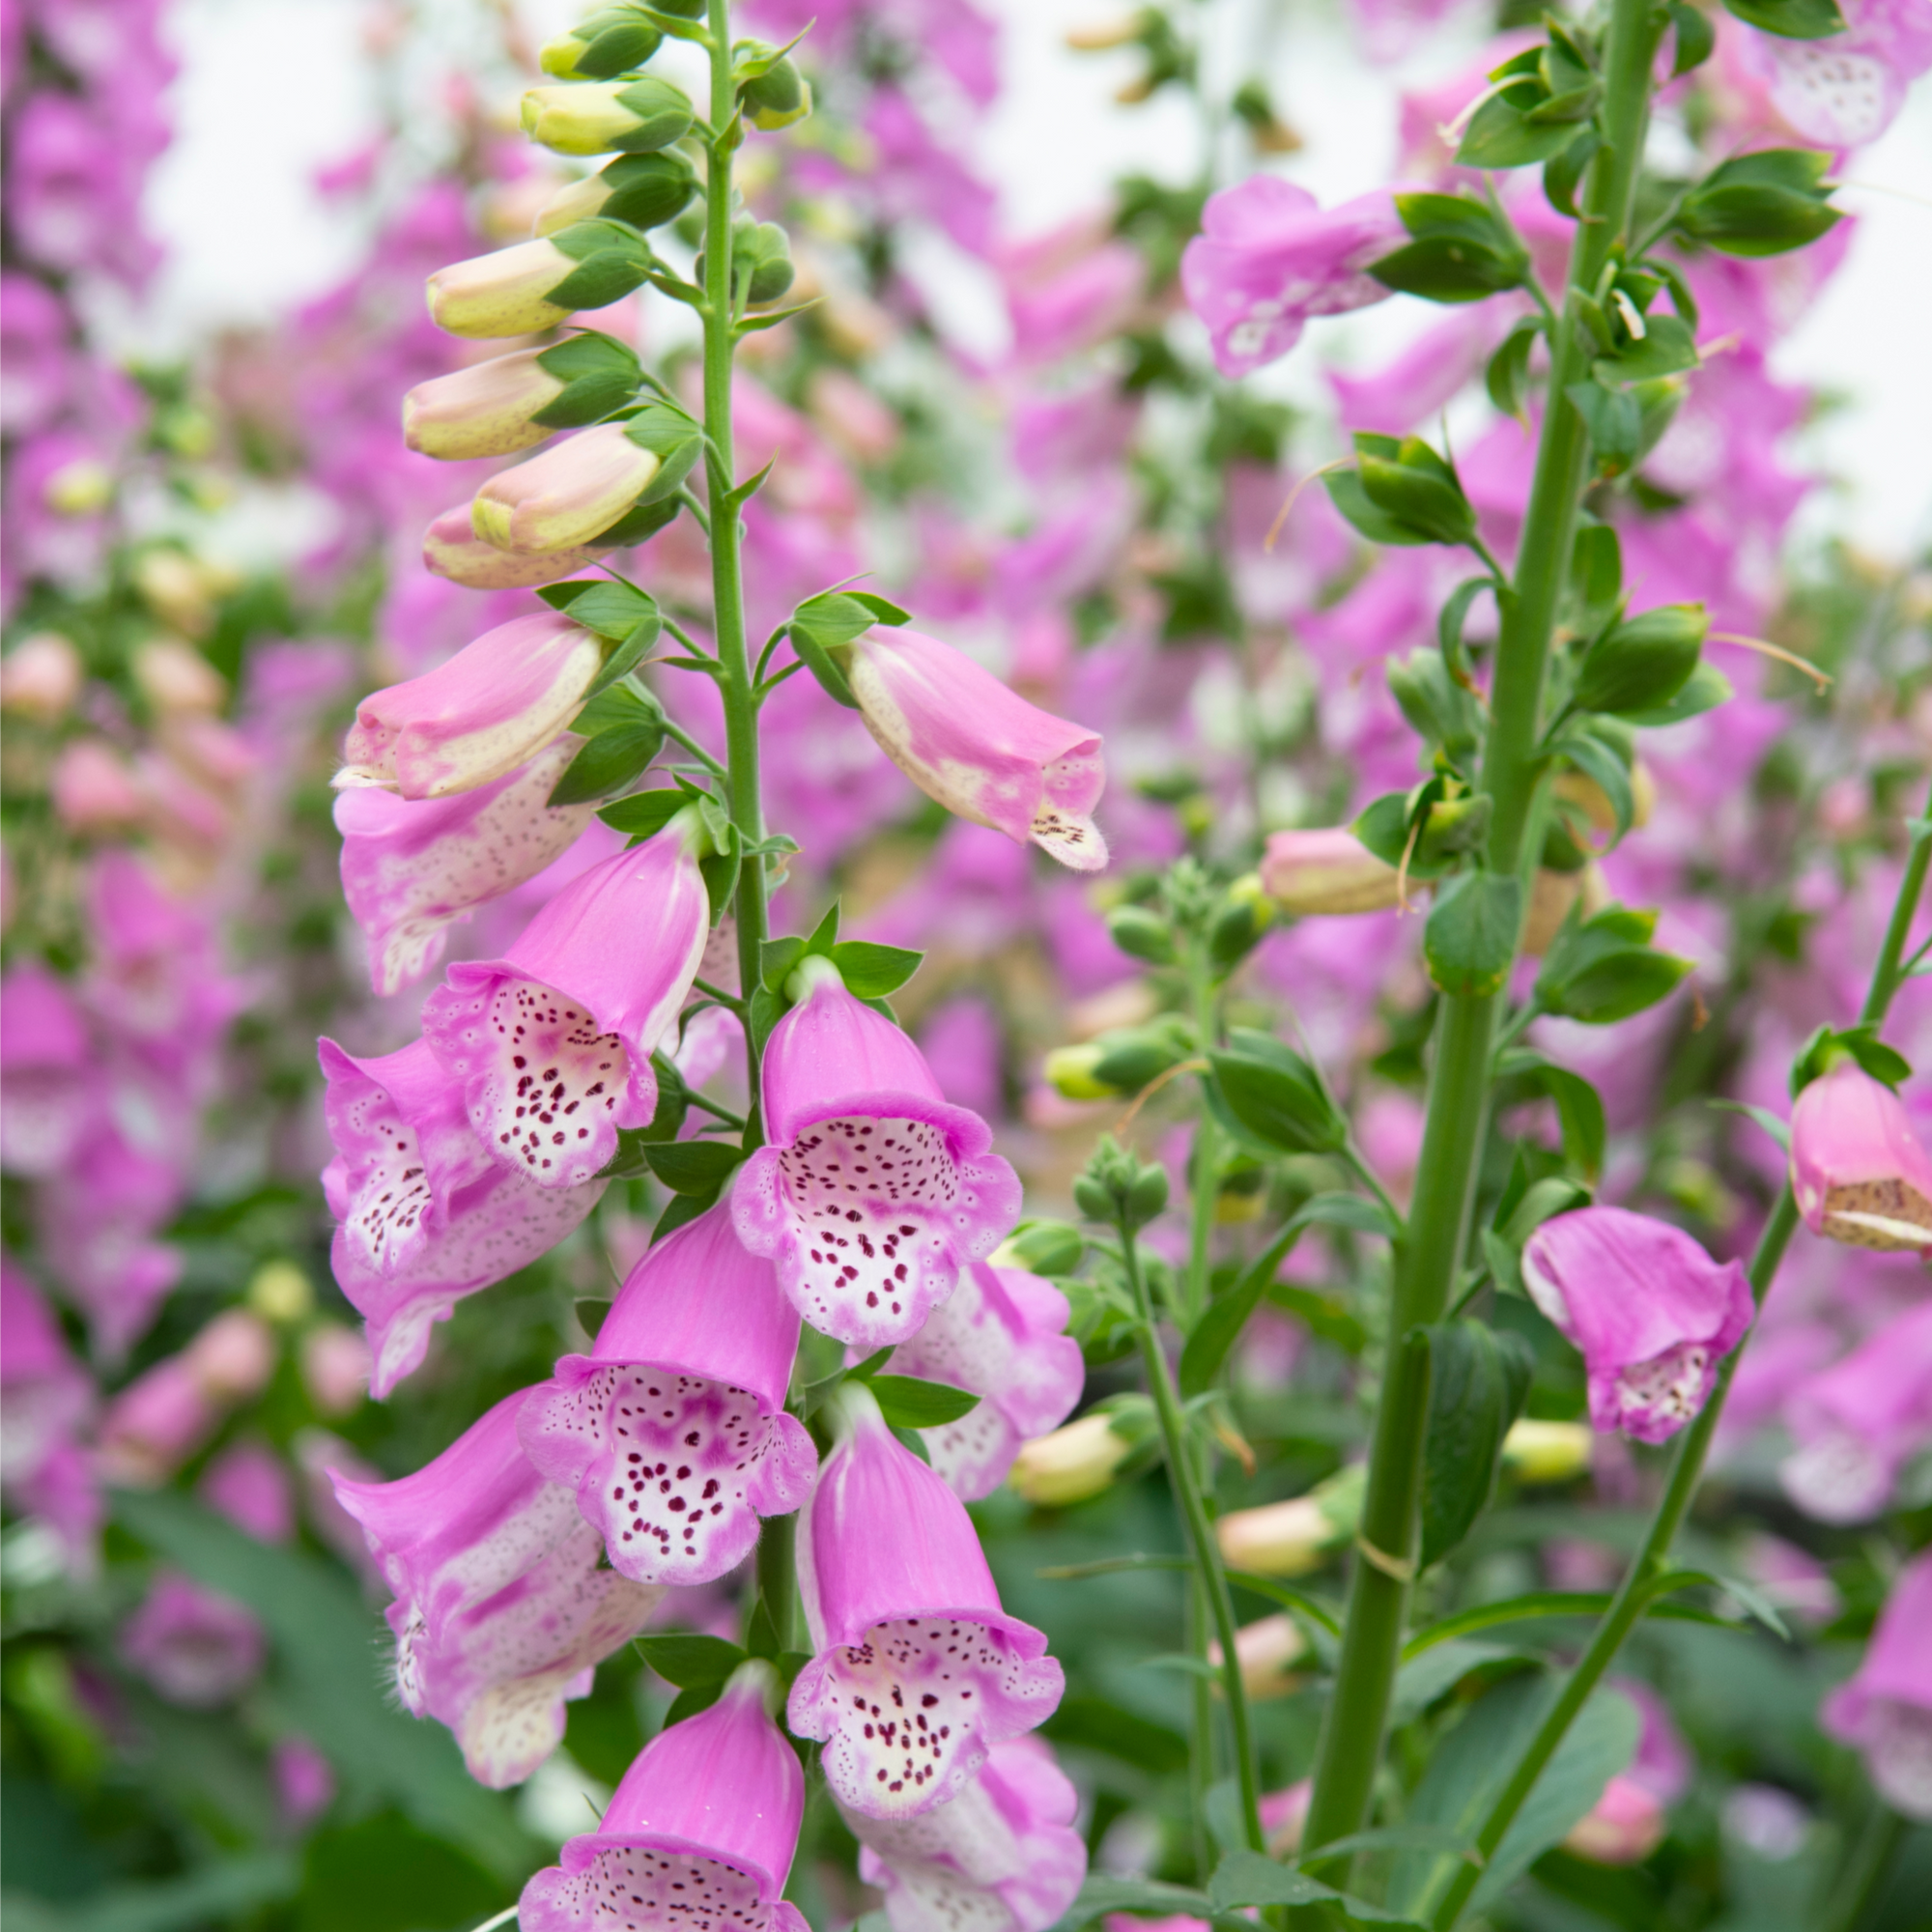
(978,747)
(1002,1334)
(1001,1857)
(1290,1539)
(873,1191)
(672,1431)
(1073,1462)
(452,548)
(424,1215)
(1858,1171)
(917,1671)
(1846,90)
(565,497)
(700,1834)
(1651,1311)
(196,1647)
(1859,1422)
(550,1045)
(1327,872)
(501,1609)
(1886,1710)
(410,868)
(44,1051)
(1265,1651)
(477,716)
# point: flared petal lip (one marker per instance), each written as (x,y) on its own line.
(577,1853)
(1028,1642)
(970,1135)
(577,1369)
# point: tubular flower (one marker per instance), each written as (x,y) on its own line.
(873,1191)
(1651,1311)
(476,717)
(510,293)
(978,749)
(501,1611)
(1886,1710)
(486,409)
(452,548)
(917,1672)
(1860,1422)
(425,1216)
(567,495)
(1001,1334)
(412,868)
(197,1648)
(1329,871)
(672,1431)
(1290,1539)
(1857,1169)
(700,1834)
(551,1045)
(1002,1856)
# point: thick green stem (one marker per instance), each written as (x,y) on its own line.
(1864,1871)
(1426,1261)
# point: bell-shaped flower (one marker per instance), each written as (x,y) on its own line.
(698,1835)
(197,1648)
(413,868)
(551,1045)
(502,1611)
(873,1191)
(486,409)
(1001,1333)
(567,495)
(978,747)
(425,1216)
(917,1672)
(1002,1856)
(452,548)
(1859,1423)
(44,1055)
(1327,872)
(1858,1171)
(1886,1710)
(1651,1311)
(508,292)
(480,715)
(47,1399)
(672,1431)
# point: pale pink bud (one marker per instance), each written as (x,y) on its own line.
(175,677)
(1284,1816)
(501,293)
(482,410)
(42,676)
(233,1356)
(335,1368)
(452,548)
(1291,1538)
(1264,1649)
(568,495)
(1857,1169)
(92,789)
(1326,871)
(1623,1828)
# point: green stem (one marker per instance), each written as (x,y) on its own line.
(1886,975)
(1426,1261)
(1866,1868)
(1205,1165)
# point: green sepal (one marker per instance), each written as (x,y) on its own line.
(1470,938)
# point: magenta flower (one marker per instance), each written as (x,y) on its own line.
(47,1398)
(1845,90)
(672,1431)
(917,1671)
(551,1045)
(304,1780)
(873,1192)
(1623,1828)
(412,868)
(1001,1333)
(501,1609)
(44,1053)
(1859,1422)
(495,704)
(197,1648)
(1002,1856)
(1886,1710)
(1857,1169)
(1267,258)
(978,749)
(425,1216)
(251,1486)
(700,1834)
(452,548)
(1651,1311)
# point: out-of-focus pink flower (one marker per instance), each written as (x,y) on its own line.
(92,789)
(1076,304)
(37,368)
(1623,1828)
(452,548)
(1423,378)
(1844,91)
(1858,1171)
(963,1043)
(913,176)
(250,1485)
(44,1054)
(1886,1710)
(41,677)
(197,1648)
(47,1399)
(335,1368)
(1326,871)
(1284,1814)
(1859,1422)
(304,1780)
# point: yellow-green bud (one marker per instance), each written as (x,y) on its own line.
(1546,1452)
(1291,1538)
(1073,1462)
(1070,1072)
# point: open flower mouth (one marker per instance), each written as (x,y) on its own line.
(635,1887)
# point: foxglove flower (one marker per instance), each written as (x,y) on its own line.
(45,1400)
(700,1834)
(476,717)
(44,1053)
(873,1191)
(1886,1710)
(1651,1311)
(1623,1828)
(196,1647)
(566,497)
(551,1045)
(501,1609)
(672,1431)
(486,409)
(1267,258)
(1858,1172)
(978,749)
(1327,872)
(452,548)
(1002,1856)
(410,868)
(425,1216)
(1001,1334)
(1860,1422)
(508,292)
(916,1672)
(1845,90)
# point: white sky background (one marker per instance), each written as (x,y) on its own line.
(271,90)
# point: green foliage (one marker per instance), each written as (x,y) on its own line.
(1603,968)
(1470,939)
(1766,203)
(1274,1097)
(1478,1380)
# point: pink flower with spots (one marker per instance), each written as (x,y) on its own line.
(1858,1172)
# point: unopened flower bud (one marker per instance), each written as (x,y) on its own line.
(483,410)
(1858,1171)
(279,1291)
(233,1356)
(1291,1538)
(452,548)
(567,495)
(79,489)
(1551,895)
(775,98)
(1623,1828)
(1070,1072)
(1264,1649)
(92,789)
(1244,915)
(336,1366)
(587,264)
(1590,798)
(1040,1247)
(176,680)
(612,40)
(606,117)
(1140,933)
(644,191)
(1083,1458)
(42,676)
(1546,1452)
(181,589)
(1326,871)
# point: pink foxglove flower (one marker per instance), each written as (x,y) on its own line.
(700,1834)
(1857,1169)
(978,749)
(1845,90)
(412,868)
(873,1192)
(1651,1311)
(551,1045)
(304,1780)
(1002,1856)
(476,717)
(425,1216)
(484,409)
(565,497)
(1886,1710)
(1001,1333)
(1327,872)
(44,1054)
(452,548)
(1623,1828)
(672,1431)
(1859,1422)
(916,1672)
(47,1398)
(251,1486)
(501,1609)
(1267,258)
(197,1648)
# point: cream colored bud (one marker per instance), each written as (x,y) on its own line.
(1326,871)
(1071,1463)
(1290,1539)
(79,489)
(1070,1072)
(42,676)
(181,589)
(1105,34)
(233,1356)
(1552,894)
(483,410)
(501,294)
(570,494)
(1264,1650)
(575,201)
(280,1291)
(176,680)
(1591,799)
(1547,1452)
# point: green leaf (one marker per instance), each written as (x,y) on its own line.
(1696,36)
(1450,268)
(1760,204)
(1790,20)
(1092,1723)
(608,763)
(1098,1897)
(1579,1109)
(1220,1326)
(692,1167)
(685,1659)
(1614,419)
(1477,1380)
(871,972)
(825,624)
(1600,762)
(1501,135)
(1777,1128)
(1415,487)
(645,813)
(1704,690)
(610,609)
(1345,492)
(1507,375)
(1470,941)
(1275,1096)
(627,653)
(1667,348)
(1245,1878)
(907,1401)
(641,521)
(384,1874)
(692,1699)
(1563,174)
(1644,662)
(590,1317)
